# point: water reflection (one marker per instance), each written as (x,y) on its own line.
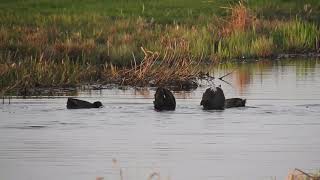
(245,72)
(144,92)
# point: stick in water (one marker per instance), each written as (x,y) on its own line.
(226,74)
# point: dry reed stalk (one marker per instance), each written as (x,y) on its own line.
(155,174)
(170,70)
(240,19)
(298,174)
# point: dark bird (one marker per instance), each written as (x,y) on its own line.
(213,99)
(164,100)
(80,104)
(235,102)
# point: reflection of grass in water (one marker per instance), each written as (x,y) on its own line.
(243,72)
(306,67)
(303,67)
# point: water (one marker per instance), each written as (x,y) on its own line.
(278,131)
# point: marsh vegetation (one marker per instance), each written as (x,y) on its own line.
(60,43)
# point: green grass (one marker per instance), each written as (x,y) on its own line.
(164,11)
(285,9)
(297,36)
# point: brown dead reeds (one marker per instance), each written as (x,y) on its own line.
(170,69)
(241,19)
(298,174)
(38,72)
(156,70)
(73,50)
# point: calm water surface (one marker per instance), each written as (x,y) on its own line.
(278,131)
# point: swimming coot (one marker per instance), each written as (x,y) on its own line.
(213,99)
(80,104)
(164,100)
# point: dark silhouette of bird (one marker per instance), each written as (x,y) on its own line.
(80,104)
(235,102)
(213,99)
(164,100)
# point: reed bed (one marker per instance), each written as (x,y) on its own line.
(171,69)
(154,70)
(37,72)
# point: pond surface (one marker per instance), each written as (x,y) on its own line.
(127,139)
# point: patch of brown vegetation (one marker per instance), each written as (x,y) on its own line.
(155,70)
(298,174)
(241,18)
(73,49)
(175,43)
(34,37)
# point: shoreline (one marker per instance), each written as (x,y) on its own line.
(69,50)
(188,85)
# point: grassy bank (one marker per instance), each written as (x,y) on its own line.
(63,43)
